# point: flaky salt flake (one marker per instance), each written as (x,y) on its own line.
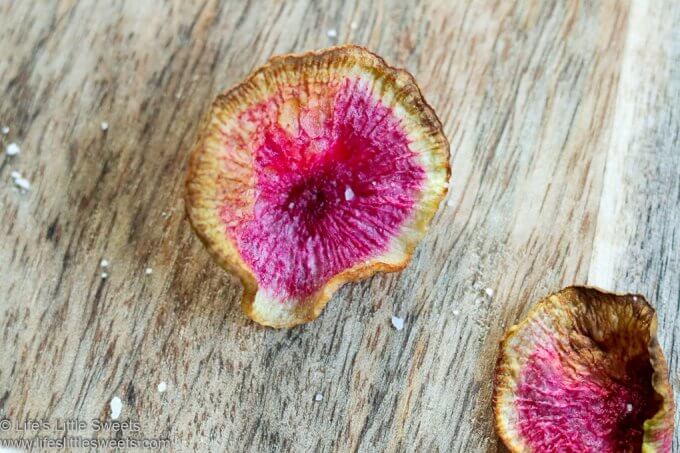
(104,275)
(104,263)
(19,181)
(116,407)
(353,25)
(5,130)
(148,271)
(450,202)
(456,312)
(397,322)
(489,292)
(12,149)
(629,407)
(332,33)
(162,387)
(349,193)
(22,183)
(104,126)
(318,397)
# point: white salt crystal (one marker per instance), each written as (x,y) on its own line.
(291,205)
(397,322)
(456,312)
(489,292)
(332,33)
(629,407)
(116,407)
(105,275)
(162,387)
(318,397)
(349,193)
(450,202)
(104,263)
(12,149)
(22,183)
(5,130)
(148,271)
(353,25)
(104,125)
(19,181)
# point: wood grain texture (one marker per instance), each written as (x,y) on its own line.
(564,123)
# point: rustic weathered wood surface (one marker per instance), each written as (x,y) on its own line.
(564,122)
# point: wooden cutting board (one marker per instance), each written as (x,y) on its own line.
(564,123)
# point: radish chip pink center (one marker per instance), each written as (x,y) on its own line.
(567,409)
(332,181)
(584,373)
